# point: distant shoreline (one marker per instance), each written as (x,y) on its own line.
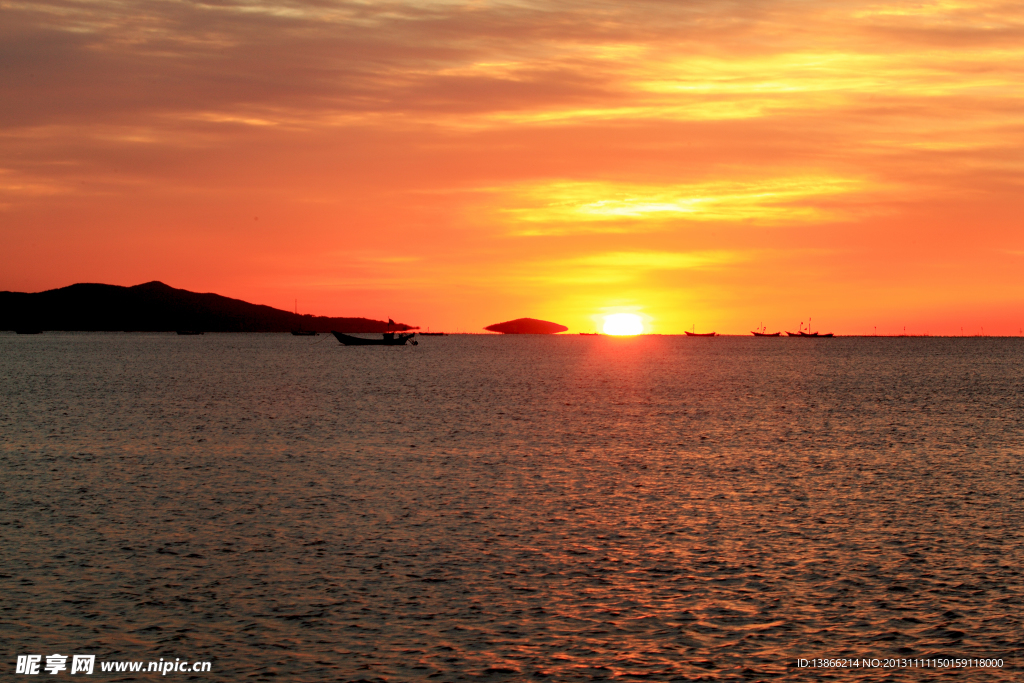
(572,335)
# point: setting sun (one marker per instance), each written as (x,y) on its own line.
(623,324)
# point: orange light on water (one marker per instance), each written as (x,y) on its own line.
(623,324)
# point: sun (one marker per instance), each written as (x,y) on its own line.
(623,324)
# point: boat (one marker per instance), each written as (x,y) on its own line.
(590,334)
(817,335)
(700,334)
(301,332)
(434,334)
(28,331)
(189,333)
(388,339)
(762,333)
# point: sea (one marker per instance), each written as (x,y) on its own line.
(513,508)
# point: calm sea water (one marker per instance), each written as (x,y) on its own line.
(512,508)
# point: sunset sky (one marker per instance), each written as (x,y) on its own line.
(455,164)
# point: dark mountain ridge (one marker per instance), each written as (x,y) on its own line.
(156,307)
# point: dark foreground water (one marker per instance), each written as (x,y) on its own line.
(513,508)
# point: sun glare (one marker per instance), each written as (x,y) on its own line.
(623,324)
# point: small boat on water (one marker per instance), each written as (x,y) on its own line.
(433,334)
(695,333)
(189,333)
(301,332)
(817,335)
(590,334)
(29,331)
(764,333)
(388,339)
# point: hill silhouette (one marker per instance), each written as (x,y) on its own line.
(156,307)
(526,326)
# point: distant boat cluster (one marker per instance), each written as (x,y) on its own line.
(763,332)
(815,335)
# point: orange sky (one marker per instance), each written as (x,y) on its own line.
(455,164)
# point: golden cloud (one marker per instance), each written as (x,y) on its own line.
(565,207)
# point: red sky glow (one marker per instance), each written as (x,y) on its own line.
(705,164)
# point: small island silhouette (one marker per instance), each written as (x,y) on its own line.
(526,326)
(156,307)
